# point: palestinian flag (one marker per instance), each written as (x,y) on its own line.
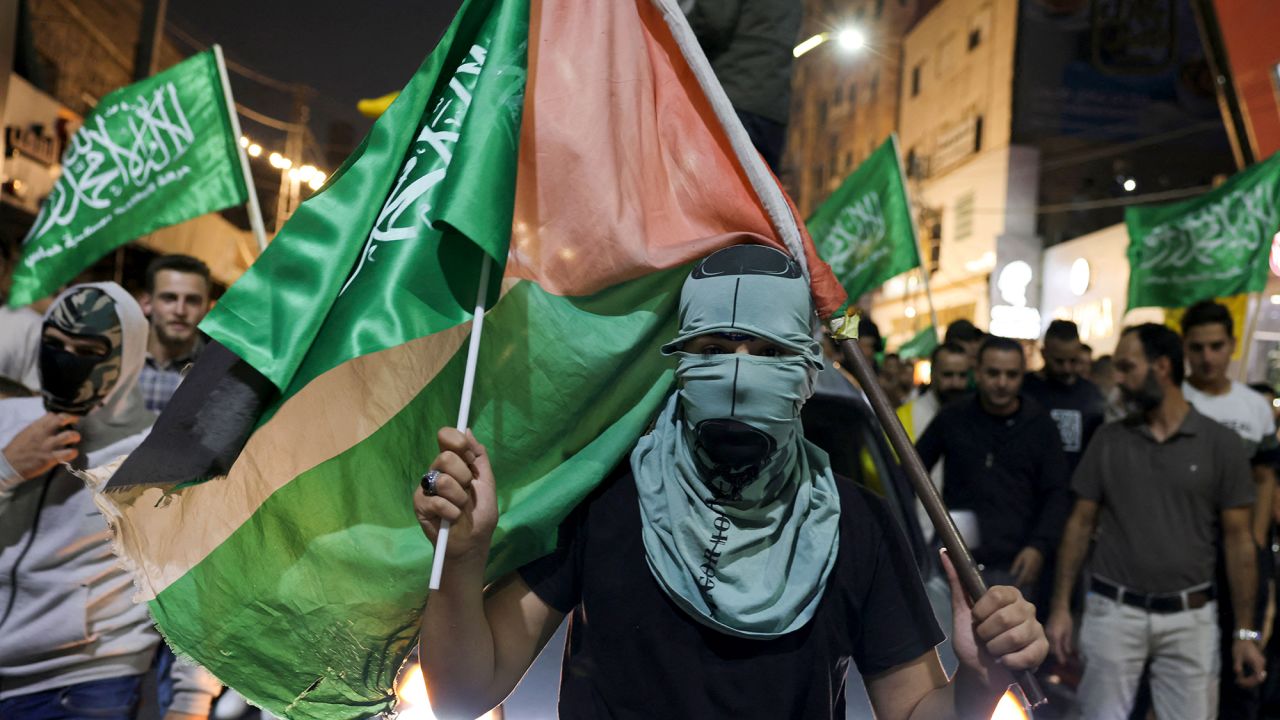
(586,150)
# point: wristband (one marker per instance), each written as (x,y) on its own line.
(1247,634)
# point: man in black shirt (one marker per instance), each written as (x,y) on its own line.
(1004,463)
(1074,403)
(722,571)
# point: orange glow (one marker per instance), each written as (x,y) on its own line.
(923,373)
(411,696)
(1010,708)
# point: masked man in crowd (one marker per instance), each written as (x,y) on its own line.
(72,642)
(723,570)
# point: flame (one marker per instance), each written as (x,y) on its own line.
(411,692)
(1009,708)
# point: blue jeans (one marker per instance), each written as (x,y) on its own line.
(113,699)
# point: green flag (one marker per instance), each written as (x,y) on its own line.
(864,230)
(921,345)
(298,574)
(1215,245)
(152,154)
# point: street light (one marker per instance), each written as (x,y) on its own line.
(849,39)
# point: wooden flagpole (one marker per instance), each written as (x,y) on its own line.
(944,525)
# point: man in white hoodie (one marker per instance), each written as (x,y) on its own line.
(72,642)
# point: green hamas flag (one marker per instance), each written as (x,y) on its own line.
(1215,245)
(921,345)
(864,230)
(152,154)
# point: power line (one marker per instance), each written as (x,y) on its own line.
(238,68)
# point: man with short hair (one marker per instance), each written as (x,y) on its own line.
(1084,362)
(948,380)
(176,300)
(1155,494)
(966,335)
(1074,403)
(1004,463)
(1209,341)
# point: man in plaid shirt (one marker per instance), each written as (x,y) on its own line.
(176,300)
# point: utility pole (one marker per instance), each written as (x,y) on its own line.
(150,33)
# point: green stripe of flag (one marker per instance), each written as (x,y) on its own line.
(323,579)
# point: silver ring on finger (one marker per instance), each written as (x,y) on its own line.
(429,482)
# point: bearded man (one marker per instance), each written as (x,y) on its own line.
(1156,494)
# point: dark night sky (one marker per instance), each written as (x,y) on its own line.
(345,50)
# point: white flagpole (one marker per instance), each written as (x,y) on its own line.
(464,408)
(255,210)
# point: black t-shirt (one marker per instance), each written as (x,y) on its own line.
(632,653)
(1078,409)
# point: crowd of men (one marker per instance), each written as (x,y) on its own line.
(1160,582)
(83,376)
(1131,497)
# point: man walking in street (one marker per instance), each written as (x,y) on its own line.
(1004,463)
(176,300)
(1156,493)
(948,379)
(1209,342)
(1074,403)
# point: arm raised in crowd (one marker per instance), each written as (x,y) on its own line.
(475,644)
(35,451)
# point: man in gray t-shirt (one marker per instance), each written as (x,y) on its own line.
(1157,489)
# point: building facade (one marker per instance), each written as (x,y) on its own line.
(844,102)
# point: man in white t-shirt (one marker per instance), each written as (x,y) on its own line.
(1209,342)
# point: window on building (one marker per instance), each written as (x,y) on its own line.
(848,160)
(915,80)
(839,95)
(975,38)
(879,8)
(853,94)
(931,230)
(912,171)
(964,216)
(822,111)
(977,134)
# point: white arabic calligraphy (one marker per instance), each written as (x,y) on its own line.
(100,168)
(1216,242)
(423,170)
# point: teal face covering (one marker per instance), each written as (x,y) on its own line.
(741,409)
(741,513)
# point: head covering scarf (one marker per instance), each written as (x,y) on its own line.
(740,513)
(103,389)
